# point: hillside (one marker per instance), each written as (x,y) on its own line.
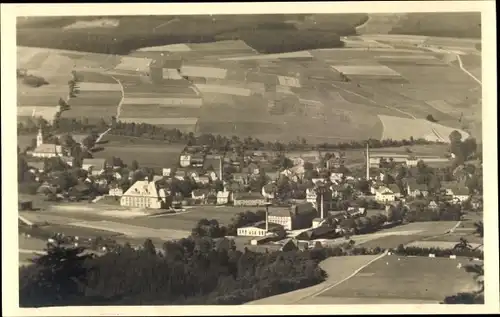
(456,24)
(122,34)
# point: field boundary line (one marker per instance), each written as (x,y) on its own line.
(376,103)
(343,280)
(466,71)
(119,107)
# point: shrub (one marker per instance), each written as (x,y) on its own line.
(34,81)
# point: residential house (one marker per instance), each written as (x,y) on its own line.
(317,180)
(115,190)
(213,176)
(144,194)
(203,180)
(180,175)
(336,175)
(311,196)
(298,170)
(200,194)
(411,161)
(253,168)
(414,189)
(384,194)
(240,178)
(185,160)
(94,166)
(395,189)
(460,194)
(36,166)
(223,197)
(257,229)
(287,172)
(433,205)
(197,160)
(334,162)
(336,191)
(316,222)
(249,199)
(281,216)
(269,190)
(166,171)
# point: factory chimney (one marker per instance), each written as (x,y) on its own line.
(267,217)
(220,168)
(367,161)
(322,207)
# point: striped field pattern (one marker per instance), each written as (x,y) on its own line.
(88,86)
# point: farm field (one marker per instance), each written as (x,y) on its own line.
(391,276)
(150,155)
(390,242)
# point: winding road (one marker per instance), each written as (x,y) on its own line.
(466,71)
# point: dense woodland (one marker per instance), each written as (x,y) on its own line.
(219,142)
(135,32)
(194,270)
(442,24)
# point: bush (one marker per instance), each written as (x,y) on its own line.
(34,81)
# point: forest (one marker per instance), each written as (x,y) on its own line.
(441,24)
(135,32)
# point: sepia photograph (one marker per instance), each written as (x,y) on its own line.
(238,158)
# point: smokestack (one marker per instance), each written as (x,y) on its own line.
(220,168)
(267,219)
(322,207)
(367,162)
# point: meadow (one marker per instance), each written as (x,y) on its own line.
(390,277)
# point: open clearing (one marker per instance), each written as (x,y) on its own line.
(337,269)
(147,155)
(406,278)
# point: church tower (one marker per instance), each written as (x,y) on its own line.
(39,137)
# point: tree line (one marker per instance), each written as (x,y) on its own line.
(219,142)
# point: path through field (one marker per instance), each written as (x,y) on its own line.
(466,71)
(119,107)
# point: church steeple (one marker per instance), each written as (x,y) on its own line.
(39,137)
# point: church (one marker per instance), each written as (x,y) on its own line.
(46,150)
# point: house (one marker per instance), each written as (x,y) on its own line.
(336,191)
(414,189)
(433,205)
(395,189)
(311,196)
(257,229)
(180,175)
(144,194)
(115,191)
(240,178)
(317,180)
(296,216)
(316,222)
(200,194)
(249,199)
(185,160)
(36,166)
(411,161)
(94,166)
(269,190)
(334,162)
(48,151)
(317,233)
(67,160)
(281,216)
(384,195)
(203,179)
(166,171)
(356,212)
(298,170)
(197,160)
(253,168)
(460,193)
(223,197)
(213,176)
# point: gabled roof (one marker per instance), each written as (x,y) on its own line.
(243,196)
(461,191)
(97,162)
(280,212)
(394,188)
(142,188)
(48,148)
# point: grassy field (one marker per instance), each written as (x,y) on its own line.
(147,155)
(406,278)
(389,242)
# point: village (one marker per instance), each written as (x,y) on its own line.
(306,195)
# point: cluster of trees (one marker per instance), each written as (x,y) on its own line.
(190,271)
(212,228)
(285,40)
(438,252)
(462,149)
(446,212)
(219,142)
(363,225)
(34,81)
(441,24)
(133,33)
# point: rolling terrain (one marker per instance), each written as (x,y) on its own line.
(368,89)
